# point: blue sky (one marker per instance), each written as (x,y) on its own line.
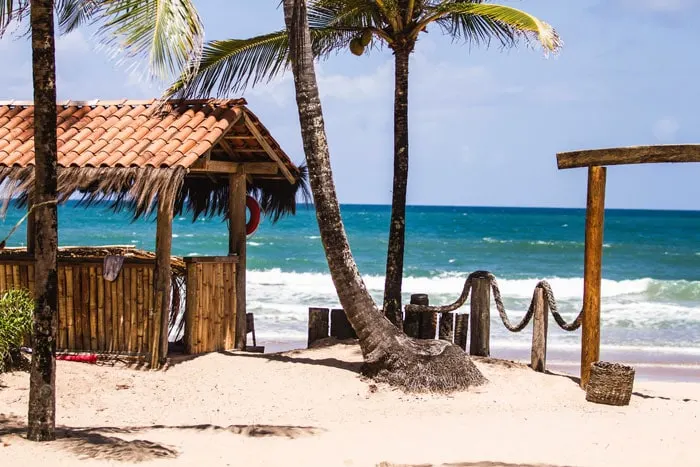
(485,123)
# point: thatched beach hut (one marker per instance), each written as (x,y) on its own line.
(197,157)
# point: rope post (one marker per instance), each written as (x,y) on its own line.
(427,321)
(318,325)
(481,318)
(538,356)
(592,271)
(341,328)
(461,330)
(411,323)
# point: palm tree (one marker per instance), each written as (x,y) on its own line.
(390,356)
(145,27)
(229,66)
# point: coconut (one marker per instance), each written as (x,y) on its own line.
(366,37)
(356,46)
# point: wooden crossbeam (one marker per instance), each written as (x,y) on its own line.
(268,149)
(630,155)
(228,167)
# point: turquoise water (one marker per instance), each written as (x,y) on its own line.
(651,264)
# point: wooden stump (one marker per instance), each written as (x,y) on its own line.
(340,326)
(538,356)
(318,325)
(461,330)
(481,318)
(446,326)
(411,323)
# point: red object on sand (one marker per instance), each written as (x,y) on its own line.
(85,358)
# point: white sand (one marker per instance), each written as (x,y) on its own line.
(310,408)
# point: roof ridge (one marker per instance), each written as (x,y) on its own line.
(131,102)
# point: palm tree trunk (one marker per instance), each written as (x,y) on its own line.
(397,228)
(42,394)
(374,332)
(390,356)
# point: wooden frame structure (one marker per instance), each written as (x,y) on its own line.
(202,156)
(596,160)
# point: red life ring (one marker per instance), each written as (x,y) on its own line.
(254,221)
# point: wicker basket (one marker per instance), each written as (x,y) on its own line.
(610,383)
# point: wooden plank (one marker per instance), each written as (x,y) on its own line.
(268,149)
(318,325)
(340,325)
(148,297)
(126,303)
(62,325)
(133,299)
(629,155)
(481,318)
(237,246)
(16,278)
(24,277)
(140,315)
(85,305)
(101,332)
(8,277)
(3,283)
(226,334)
(189,307)
(221,306)
(538,354)
(109,330)
(120,310)
(70,321)
(233,258)
(31,272)
(92,311)
(592,271)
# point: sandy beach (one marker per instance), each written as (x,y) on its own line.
(311,407)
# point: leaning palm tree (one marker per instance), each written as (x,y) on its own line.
(143,27)
(390,356)
(229,66)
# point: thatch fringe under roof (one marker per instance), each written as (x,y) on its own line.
(131,153)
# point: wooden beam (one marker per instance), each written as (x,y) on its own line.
(161,282)
(630,155)
(268,149)
(228,148)
(237,246)
(228,167)
(592,271)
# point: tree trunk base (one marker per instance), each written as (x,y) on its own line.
(415,365)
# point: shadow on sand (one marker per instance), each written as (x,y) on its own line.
(468,464)
(97,442)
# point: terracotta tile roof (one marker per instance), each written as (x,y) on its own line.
(131,133)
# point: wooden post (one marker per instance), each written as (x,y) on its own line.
(341,328)
(461,330)
(592,271)
(237,246)
(162,281)
(538,356)
(31,219)
(481,318)
(446,326)
(411,324)
(318,325)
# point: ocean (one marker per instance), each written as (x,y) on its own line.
(651,266)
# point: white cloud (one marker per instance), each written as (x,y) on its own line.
(665,129)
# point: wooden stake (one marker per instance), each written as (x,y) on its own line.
(237,245)
(481,318)
(538,356)
(318,325)
(411,322)
(341,328)
(592,271)
(446,326)
(461,330)
(70,323)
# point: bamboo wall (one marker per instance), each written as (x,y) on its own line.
(95,314)
(210,317)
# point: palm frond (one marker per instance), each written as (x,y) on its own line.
(72,14)
(230,66)
(10,12)
(476,21)
(168,32)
